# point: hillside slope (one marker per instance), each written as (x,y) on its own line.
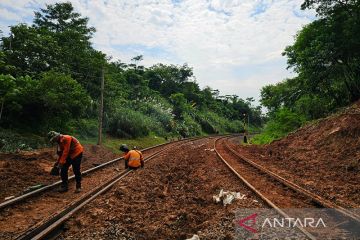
(322,156)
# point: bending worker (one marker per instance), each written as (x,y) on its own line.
(133,158)
(70,152)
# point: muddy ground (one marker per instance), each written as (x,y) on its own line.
(323,157)
(171,198)
(20,171)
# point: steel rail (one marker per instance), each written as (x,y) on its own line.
(36,192)
(48,226)
(314,197)
(265,199)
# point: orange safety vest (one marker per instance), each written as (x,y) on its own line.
(70,147)
(134,158)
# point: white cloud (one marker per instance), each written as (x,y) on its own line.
(216,37)
(8,15)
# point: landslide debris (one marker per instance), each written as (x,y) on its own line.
(19,171)
(171,198)
(323,156)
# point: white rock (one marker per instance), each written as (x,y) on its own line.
(195,237)
(228,197)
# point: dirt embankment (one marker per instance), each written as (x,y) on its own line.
(21,170)
(324,156)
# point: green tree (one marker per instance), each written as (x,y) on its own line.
(328,7)
(61,18)
(326,53)
(7,88)
(167,79)
(73,35)
(58,40)
(282,94)
(136,61)
(63,98)
(30,50)
(51,101)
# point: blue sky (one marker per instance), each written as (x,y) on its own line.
(233,45)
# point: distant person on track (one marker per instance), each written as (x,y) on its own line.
(245,138)
(70,152)
(133,158)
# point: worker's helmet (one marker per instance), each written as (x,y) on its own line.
(124,148)
(52,135)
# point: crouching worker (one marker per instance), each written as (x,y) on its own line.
(133,158)
(70,152)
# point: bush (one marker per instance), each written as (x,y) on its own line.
(206,125)
(45,103)
(235,126)
(283,122)
(62,95)
(262,139)
(212,123)
(11,141)
(129,123)
(84,128)
(188,127)
(158,110)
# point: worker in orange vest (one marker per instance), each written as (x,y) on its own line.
(70,152)
(133,158)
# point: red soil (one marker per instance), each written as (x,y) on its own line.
(171,198)
(22,170)
(323,156)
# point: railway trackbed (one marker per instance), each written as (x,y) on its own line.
(314,197)
(280,194)
(45,217)
(171,199)
(37,214)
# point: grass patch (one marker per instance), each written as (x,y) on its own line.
(11,141)
(114,143)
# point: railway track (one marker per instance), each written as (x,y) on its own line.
(276,191)
(51,225)
(43,189)
(29,211)
(44,227)
(314,197)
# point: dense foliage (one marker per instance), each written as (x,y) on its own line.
(326,58)
(50,79)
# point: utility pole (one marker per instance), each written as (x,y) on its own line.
(101,108)
(244,120)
